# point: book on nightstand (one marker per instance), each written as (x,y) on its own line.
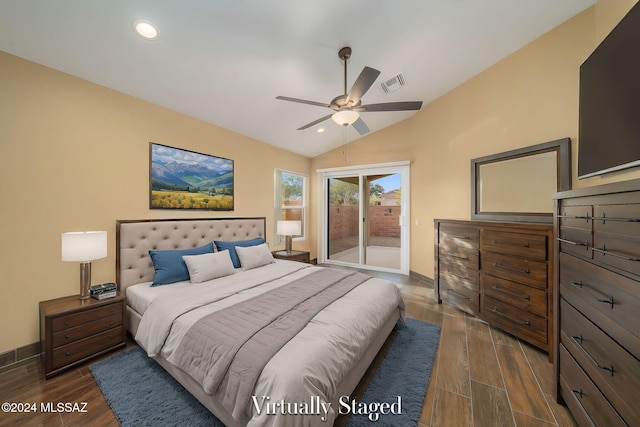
(104,295)
(103,291)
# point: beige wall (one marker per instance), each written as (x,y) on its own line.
(528,98)
(75,156)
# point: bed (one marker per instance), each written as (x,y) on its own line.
(321,362)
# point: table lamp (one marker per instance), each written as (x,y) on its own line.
(289,229)
(84,247)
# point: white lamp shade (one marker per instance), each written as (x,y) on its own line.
(345,117)
(289,228)
(84,245)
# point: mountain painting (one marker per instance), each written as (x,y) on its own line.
(182,179)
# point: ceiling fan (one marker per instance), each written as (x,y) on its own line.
(348,106)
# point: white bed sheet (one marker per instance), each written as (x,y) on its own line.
(337,336)
(140,295)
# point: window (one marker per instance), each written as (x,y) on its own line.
(291,199)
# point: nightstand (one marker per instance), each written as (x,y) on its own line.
(73,331)
(300,256)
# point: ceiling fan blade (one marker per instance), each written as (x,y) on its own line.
(315,122)
(360,126)
(390,106)
(364,81)
(303,101)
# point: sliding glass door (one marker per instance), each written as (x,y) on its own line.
(365,213)
(343,214)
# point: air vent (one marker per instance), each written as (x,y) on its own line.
(393,84)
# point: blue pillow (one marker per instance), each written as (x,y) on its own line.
(169,265)
(231,247)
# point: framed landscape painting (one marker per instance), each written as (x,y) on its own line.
(183,179)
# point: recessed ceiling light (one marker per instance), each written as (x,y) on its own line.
(320,130)
(145,29)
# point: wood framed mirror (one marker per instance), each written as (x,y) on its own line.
(517,185)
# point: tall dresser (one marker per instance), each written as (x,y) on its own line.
(501,272)
(597,294)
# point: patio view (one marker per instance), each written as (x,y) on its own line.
(381,231)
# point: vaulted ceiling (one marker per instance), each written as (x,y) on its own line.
(225,61)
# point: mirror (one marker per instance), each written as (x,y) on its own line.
(517,185)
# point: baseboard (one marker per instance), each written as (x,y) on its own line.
(423,281)
(19,356)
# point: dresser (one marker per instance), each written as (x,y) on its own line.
(73,331)
(597,294)
(501,272)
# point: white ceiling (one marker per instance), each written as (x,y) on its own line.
(225,61)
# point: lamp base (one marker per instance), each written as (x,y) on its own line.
(85,279)
(287,244)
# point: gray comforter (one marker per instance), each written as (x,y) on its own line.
(226,350)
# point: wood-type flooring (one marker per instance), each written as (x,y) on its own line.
(482,377)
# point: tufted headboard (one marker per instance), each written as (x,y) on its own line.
(135,238)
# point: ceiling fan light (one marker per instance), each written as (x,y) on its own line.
(345,117)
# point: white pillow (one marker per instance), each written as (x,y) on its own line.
(208,266)
(254,256)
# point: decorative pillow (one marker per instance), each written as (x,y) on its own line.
(231,247)
(208,266)
(254,256)
(170,267)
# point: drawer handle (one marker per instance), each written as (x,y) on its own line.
(66,336)
(67,354)
(459,276)
(497,242)
(465,258)
(605,301)
(513,294)
(586,217)
(571,242)
(513,319)
(604,252)
(458,294)
(453,236)
(508,267)
(578,340)
(584,410)
(603,219)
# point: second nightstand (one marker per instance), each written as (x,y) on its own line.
(74,330)
(300,256)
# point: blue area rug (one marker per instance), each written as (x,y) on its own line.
(141,393)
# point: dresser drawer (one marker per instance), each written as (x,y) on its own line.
(460,297)
(610,367)
(579,217)
(521,296)
(583,398)
(520,270)
(460,277)
(74,334)
(618,219)
(459,256)
(78,319)
(529,246)
(612,300)
(576,242)
(78,350)
(460,235)
(513,320)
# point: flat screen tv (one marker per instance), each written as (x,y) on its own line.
(609,116)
